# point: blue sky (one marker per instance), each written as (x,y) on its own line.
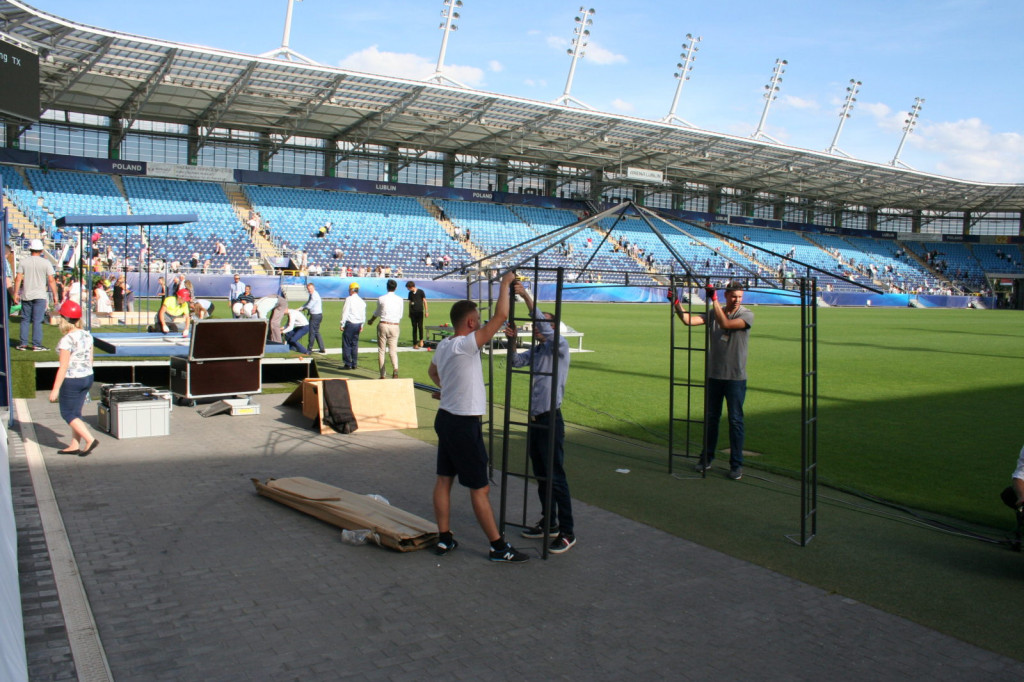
(965,57)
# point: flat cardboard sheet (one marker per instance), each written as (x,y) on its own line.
(378,405)
(392,527)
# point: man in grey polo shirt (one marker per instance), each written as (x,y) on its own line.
(36,274)
(727,371)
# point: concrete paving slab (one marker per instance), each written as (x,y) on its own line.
(191,575)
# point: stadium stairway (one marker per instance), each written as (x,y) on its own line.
(242,207)
(119,183)
(19,221)
(449,227)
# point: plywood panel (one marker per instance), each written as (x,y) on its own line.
(378,404)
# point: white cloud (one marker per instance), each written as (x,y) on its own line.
(600,55)
(970,150)
(407,65)
(540,83)
(594,52)
(495,66)
(557,42)
(622,105)
(794,102)
(885,117)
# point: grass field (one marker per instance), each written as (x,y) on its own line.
(916,406)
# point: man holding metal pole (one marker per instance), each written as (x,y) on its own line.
(729,330)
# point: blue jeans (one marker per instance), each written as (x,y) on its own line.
(733,392)
(538,445)
(350,344)
(294,337)
(32,312)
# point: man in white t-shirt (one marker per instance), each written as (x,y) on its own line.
(460,446)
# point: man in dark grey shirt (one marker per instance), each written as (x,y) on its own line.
(729,329)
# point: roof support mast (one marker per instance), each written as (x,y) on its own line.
(449,14)
(579,43)
(851,97)
(685,67)
(908,127)
(284,52)
(770,95)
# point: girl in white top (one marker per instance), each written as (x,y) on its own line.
(74,378)
(103,304)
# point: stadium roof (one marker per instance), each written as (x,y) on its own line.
(102,72)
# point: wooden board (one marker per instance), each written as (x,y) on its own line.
(378,404)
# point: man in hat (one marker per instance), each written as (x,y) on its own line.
(727,370)
(173,307)
(36,273)
(353,317)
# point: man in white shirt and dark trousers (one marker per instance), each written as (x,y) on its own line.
(315,307)
(541,355)
(353,316)
(389,309)
(456,368)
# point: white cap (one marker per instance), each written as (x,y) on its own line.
(35,245)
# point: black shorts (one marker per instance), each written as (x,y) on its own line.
(460,449)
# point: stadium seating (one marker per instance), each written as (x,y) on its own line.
(370,230)
(398,234)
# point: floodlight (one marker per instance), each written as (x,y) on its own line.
(685,66)
(770,95)
(851,92)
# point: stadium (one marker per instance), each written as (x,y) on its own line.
(140,158)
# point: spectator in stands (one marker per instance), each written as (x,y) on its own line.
(219,249)
(74,378)
(237,289)
(460,450)
(727,371)
(418,309)
(315,307)
(353,317)
(173,307)
(193,261)
(245,305)
(389,310)
(555,484)
(297,327)
(36,273)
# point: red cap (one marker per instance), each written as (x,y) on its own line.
(185,294)
(70,310)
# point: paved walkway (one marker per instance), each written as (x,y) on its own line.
(192,576)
